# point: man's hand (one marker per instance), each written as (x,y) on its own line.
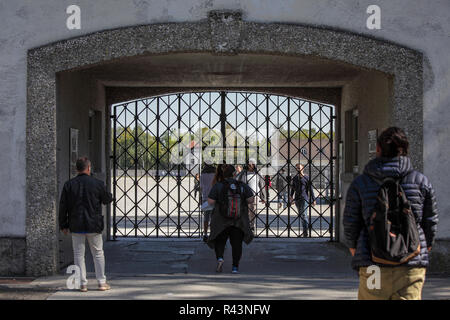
(352,251)
(314,203)
(65,231)
(429,249)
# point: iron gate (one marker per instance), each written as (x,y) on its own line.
(160,144)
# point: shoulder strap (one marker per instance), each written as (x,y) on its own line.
(240,187)
(386,179)
(224,191)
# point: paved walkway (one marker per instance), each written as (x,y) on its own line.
(185,269)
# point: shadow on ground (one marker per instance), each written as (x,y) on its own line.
(185,269)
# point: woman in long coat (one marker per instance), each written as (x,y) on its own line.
(223,228)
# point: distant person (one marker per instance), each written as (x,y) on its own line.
(251,177)
(281,187)
(265,192)
(206,183)
(80,212)
(218,176)
(373,208)
(301,191)
(197,185)
(232,200)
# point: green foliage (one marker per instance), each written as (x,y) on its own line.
(145,151)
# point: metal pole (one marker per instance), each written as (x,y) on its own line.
(309,165)
(331,175)
(157,166)
(267,166)
(289,165)
(126,174)
(178,166)
(135,168)
(223,118)
(114,172)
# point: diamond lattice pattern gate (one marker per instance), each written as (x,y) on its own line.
(161,143)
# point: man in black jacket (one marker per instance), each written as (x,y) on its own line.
(80,212)
(404,281)
(302,194)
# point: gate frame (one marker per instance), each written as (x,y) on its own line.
(224,32)
(112,155)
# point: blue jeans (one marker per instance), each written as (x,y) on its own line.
(302,206)
(283,198)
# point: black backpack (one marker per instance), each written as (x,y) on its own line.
(393,233)
(232,203)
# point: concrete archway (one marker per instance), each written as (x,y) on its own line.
(224,35)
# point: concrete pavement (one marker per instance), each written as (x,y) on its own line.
(185,269)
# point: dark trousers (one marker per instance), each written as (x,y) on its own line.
(236,236)
(302,207)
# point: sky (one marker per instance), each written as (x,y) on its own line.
(239,107)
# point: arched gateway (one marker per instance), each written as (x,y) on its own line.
(222,53)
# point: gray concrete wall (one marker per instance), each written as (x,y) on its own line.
(12,256)
(418,24)
(74,98)
(370,94)
(77,94)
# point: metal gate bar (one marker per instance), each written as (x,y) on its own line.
(143,171)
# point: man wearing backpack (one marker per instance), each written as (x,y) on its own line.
(384,228)
(232,200)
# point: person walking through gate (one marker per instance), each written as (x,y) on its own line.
(232,201)
(399,280)
(281,186)
(80,212)
(250,176)
(301,192)
(206,182)
(197,186)
(238,169)
(265,190)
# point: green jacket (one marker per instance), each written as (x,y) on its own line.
(219,223)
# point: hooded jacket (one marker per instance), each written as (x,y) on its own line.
(361,199)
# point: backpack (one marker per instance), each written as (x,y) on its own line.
(393,233)
(231,202)
(269,181)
